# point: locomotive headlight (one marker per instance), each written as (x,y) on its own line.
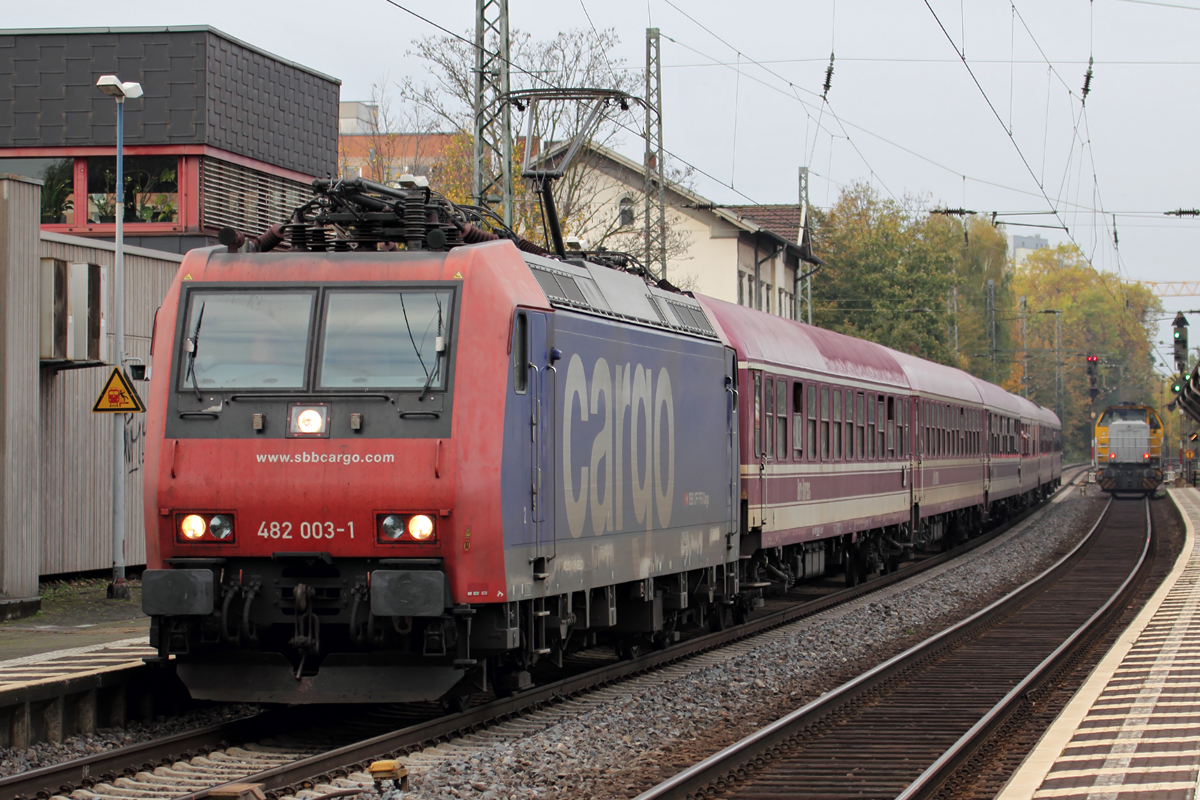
(308,420)
(392,526)
(420,527)
(221,527)
(192,526)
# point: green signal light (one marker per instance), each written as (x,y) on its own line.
(1176,387)
(1177,332)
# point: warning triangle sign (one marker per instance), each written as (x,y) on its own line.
(118,396)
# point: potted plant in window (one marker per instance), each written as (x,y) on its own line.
(58,186)
(152,207)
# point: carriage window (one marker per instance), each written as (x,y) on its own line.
(891,426)
(812,422)
(824,423)
(849,425)
(521,353)
(781,408)
(870,426)
(757,413)
(769,412)
(860,419)
(245,340)
(837,424)
(798,419)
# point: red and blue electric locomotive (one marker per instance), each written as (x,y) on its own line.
(376,474)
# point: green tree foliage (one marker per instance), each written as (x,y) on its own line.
(1101,316)
(888,271)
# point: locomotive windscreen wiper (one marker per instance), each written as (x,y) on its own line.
(191,344)
(439,345)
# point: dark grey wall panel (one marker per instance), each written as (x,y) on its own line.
(201,87)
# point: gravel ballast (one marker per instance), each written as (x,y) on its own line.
(655,725)
(45,754)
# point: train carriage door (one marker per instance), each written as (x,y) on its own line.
(543,393)
(920,447)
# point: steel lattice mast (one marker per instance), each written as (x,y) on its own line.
(656,215)
(492,183)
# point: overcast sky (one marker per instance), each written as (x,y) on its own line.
(904,112)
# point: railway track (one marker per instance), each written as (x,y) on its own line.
(284,752)
(904,728)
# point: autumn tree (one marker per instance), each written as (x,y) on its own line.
(575,58)
(1101,315)
(888,271)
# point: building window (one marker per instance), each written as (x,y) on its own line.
(625,213)
(151,192)
(741,288)
(58,184)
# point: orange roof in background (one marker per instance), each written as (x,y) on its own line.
(404,145)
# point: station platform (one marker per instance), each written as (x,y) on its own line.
(73,615)
(1133,729)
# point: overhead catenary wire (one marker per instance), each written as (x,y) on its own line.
(548,84)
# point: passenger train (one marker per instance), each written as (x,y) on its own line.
(384,474)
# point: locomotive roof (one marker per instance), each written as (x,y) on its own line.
(785,342)
(596,289)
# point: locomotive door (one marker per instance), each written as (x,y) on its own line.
(543,382)
(732,455)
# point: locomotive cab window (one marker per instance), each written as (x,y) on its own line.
(245,340)
(385,340)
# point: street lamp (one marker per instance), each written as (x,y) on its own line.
(112,86)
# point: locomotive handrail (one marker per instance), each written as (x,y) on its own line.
(309,396)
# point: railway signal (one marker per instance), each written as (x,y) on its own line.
(1093,370)
(1181,342)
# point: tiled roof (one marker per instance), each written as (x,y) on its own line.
(781,220)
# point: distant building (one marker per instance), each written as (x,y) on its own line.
(225,134)
(750,255)
(1021,246)
(366,149)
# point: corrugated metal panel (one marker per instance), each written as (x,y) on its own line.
(20,487)
(77,444)
(246,199)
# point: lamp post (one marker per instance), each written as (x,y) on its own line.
(112,86)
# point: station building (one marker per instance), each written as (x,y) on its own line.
(224,135)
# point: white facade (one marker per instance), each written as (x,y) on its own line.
(711,249)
